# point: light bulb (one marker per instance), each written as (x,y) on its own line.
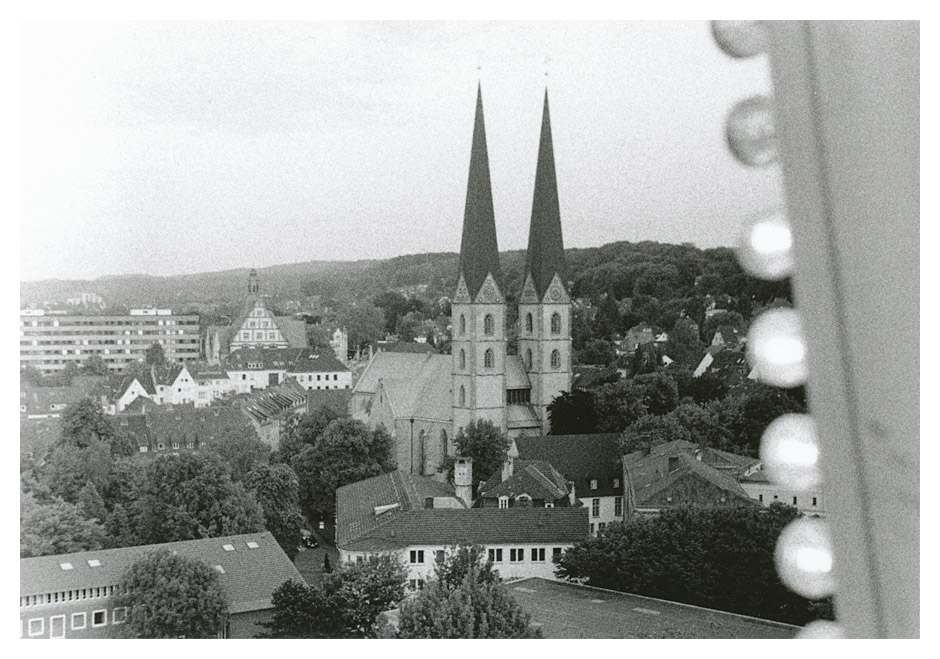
(789,449)
(775,348)
(821,629)
(804,558)
(740,39)
(765,248)
(751,134)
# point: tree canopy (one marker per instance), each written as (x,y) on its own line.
(720,558)
(171,596)
(155,355)
(486,444)
(464,600)
(275,487)
(344,605)
(58,527)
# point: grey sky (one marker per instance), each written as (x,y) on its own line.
(166,148)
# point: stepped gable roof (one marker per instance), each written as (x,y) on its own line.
(479,253)
(579,458)
(399,491)
(251,574)
(545,256)
(425,392)
(481,526)
(536,478)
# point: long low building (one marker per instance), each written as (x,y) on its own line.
(70,595)
(421,520)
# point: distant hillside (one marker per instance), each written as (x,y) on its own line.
(659,270)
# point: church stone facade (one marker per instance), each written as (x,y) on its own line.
(483,381)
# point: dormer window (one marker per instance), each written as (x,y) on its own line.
(593,484)
(504,502)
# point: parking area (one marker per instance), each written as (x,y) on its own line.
(563,610)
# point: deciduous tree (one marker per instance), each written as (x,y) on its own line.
(171,596)
(276,489)
(572,413)
(56,528)
(486,444)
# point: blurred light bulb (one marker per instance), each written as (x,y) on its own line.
(740,39)
(804,558)
(775,348)
(751,134)
(821,629)
(789,449)
(765,249)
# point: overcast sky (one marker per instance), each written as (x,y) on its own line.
(168,148)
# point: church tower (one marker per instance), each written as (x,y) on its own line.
(253,282)
(479,306)
(544,304)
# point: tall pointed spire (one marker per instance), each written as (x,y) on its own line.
(479,254)
(546,254)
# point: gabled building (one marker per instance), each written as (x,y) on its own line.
(72,595)
(526,484)
(673,475)
(421,520)
(272,410)
(173,428)
(250,369)
(591,464)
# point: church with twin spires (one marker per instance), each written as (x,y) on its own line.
(422,400)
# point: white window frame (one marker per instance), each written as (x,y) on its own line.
(104,615)
(42,627)
(114,615)
(416,557)
(84,617)
(595,507)
(52,626)
(504,502)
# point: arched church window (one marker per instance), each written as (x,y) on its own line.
(556,359)
(463,359)
(443,443)
(528,359)
(528,323)
(463,324)
(462,398)
(556,323)
(488,359)
(488,325)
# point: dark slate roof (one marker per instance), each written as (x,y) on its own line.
(546,254)
(274,401)
(651,475)
(205,371)
(293,330)
(335,399)
(479,254)
(293,360)
(536,478)
(580,458)
(39,400)
(250,576)
(182,423)
(482,526)
(408,347)
(356,502)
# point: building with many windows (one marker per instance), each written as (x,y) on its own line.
(49,341)
(71,595)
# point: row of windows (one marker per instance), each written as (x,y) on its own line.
(537,554)
(488,324)
(67,596)
(99,618)
(104,323)
(259,336)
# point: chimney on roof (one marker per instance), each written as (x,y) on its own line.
(463,480)
(507,468)
(572,498)
(428,502)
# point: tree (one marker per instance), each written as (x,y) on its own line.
(364,324)
(83,423)
(572,413)
(56,528)
(94,365)
(465,600)
(69,468)
(732,318)
(598,351)
(617,405)
(660,392)
(154,355)
(92,503)
(718,557)
(306,432)
(486,444)
(240,448)
(171,596)
(684,346)
(189,496)
(32,376)
(346,452)
(344,605)
(276,489)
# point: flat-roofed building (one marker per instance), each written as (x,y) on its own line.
(50,341)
